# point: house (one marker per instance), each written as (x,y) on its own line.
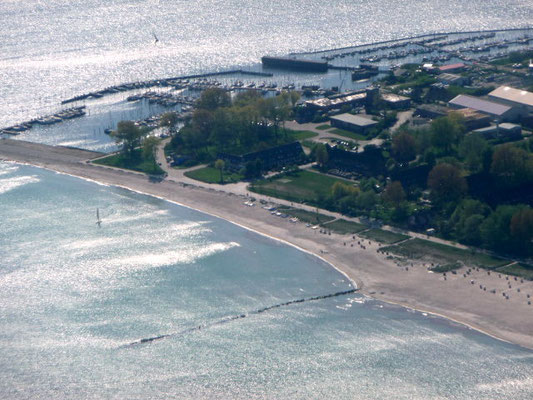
(353,123)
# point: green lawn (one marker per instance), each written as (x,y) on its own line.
(323,127)
(348,134)
(446,267)
(308,143)
(519,269)
(345,227)
(136,163)
(300,186)
(212,175)
(379,235)
(301,135)
(306,216)
(443,254)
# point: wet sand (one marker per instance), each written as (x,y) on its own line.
(405,283)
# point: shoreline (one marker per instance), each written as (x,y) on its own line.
(369,271)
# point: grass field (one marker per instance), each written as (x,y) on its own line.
(306,216)
(301,135)
(136,163)
(379,235)
(212,175)
(323,127)
(443,254)
(518,269)
(446,267)
(344,227)
(301,186)
(348,134)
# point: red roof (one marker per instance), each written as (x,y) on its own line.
(451,66)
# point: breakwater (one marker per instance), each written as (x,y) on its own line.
(69,113)
(426,35)
(240,316)
(177,81)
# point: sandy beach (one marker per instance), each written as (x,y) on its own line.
(408,284)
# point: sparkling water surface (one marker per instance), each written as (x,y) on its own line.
(56,49)
(74,297)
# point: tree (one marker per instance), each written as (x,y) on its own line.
(340,190)
(213,98)
(221,132)
(521,229)
(220,164)
(446,183)
(495,230)
(447,131)
(129,135)
(321,154)
(149,145)
(169,120)
(512,165)
(367,200)
(394,194)
(403,147)
(472,150)
(467,219)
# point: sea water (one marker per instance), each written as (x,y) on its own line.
(76,300)
(74,296)
(55,49)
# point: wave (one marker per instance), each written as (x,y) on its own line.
(182,256)
(7,185)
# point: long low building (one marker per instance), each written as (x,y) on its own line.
(503,130)
(521,100)
(327,103)
(274,157)
(353,123)
(495,110)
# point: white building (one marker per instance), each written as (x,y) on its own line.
(521,100)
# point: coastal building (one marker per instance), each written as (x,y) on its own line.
(472,119)
(521,100)
(396,101)
(496,111)
(504,130)
(451,68)
(353,123)
(295,64)
(328,103)
(431,111)
(451,79)
(274,157)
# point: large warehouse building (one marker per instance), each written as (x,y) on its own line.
(521,100)
(497,111)
(353,123)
